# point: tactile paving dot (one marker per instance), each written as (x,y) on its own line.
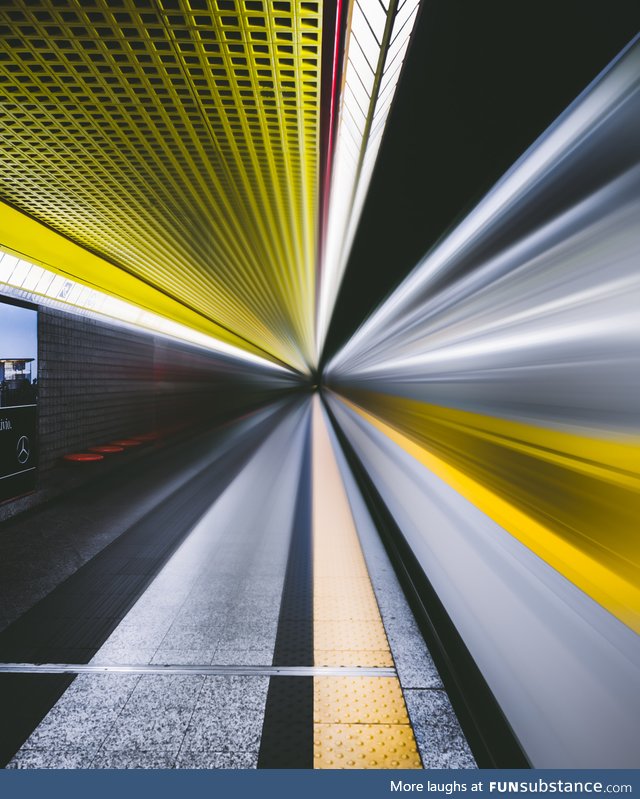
(366,658)
(362,700)
(344,746)
(346,608)
(349,635)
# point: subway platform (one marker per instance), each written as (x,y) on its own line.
(319,385)
(239,612)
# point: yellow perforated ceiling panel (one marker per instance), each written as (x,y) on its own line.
(177,140)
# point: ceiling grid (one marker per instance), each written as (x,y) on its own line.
(179,141)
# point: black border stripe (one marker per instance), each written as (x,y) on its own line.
(287,733)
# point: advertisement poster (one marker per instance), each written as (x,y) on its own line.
(18,399)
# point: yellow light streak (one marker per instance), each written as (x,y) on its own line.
(573,500)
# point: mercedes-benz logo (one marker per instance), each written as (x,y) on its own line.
(22,450)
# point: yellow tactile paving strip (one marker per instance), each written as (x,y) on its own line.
(346,700)
(387,746)
(376,659)
(358,722)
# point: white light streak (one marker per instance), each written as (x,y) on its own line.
(368,56)
(29,281)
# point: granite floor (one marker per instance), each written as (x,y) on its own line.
(216,604)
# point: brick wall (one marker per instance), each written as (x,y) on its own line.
(95,383)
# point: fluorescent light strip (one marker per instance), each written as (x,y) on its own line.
(28,281)
(368,91)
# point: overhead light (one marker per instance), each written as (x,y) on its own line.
(24,280)
(376,46)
